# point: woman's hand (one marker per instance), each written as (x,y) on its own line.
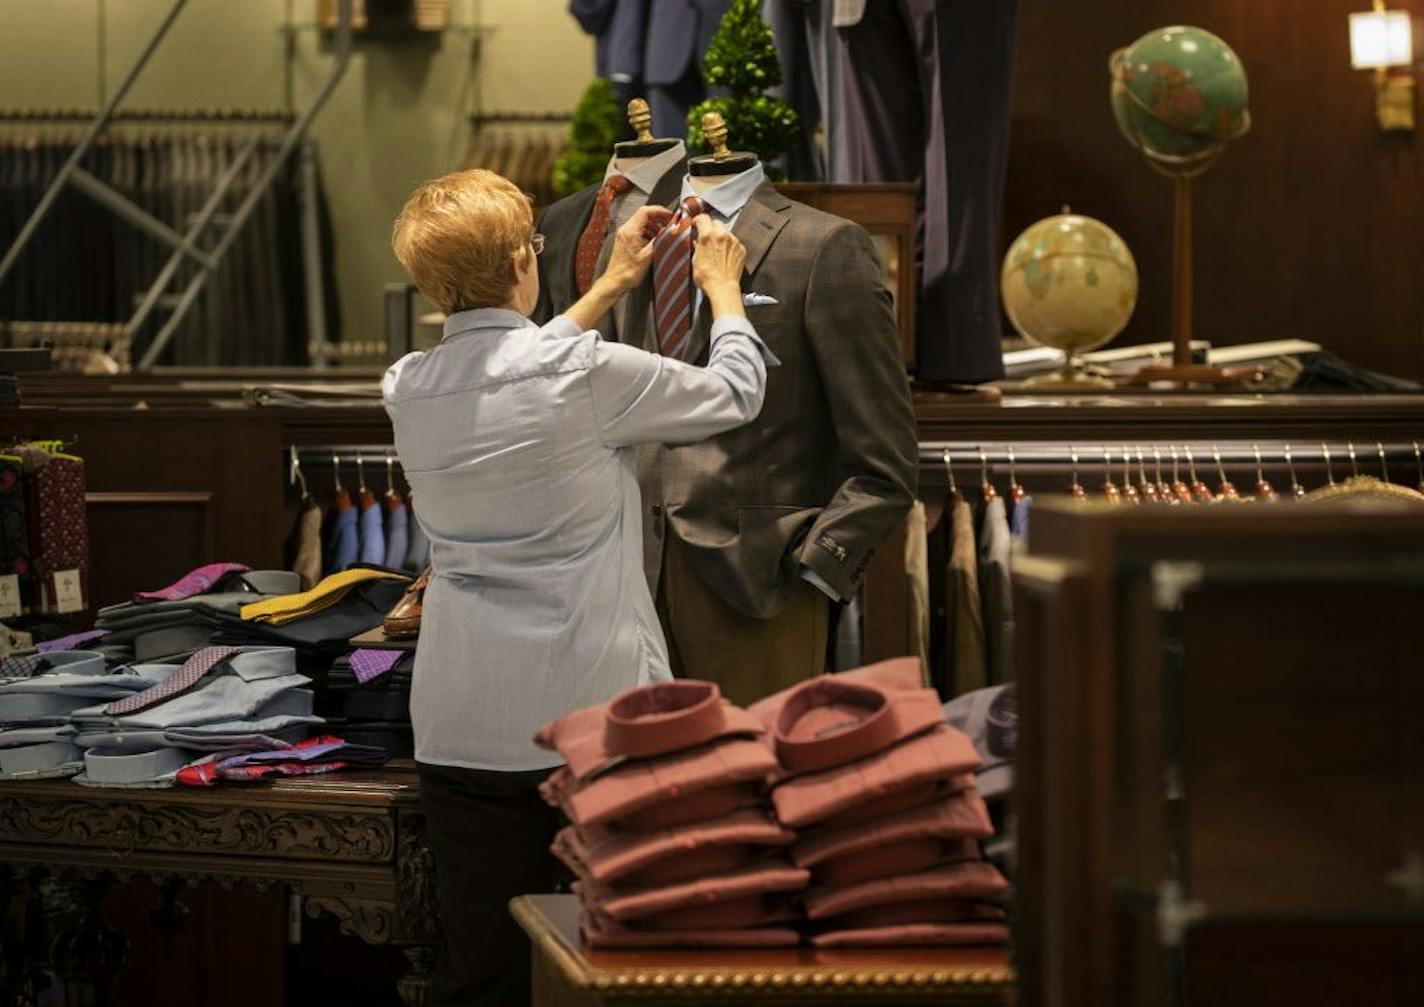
(633,248)
(717,263)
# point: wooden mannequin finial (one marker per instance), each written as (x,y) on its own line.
(640,117)
(714,128)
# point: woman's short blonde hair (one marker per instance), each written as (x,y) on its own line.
(460,238)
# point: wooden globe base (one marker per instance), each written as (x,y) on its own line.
(1187,374)
(1070,377)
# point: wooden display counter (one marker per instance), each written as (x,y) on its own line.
(567,975)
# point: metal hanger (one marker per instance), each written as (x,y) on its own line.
(296,475)
(1181,492)
(1164,491)
(1129,492)
(1146,488)
(986,488)
(1354,466)
(361,475)
(392,497)
(1110,490)
(1329,469)
(1419,466)
(1384,466)
(1225,491)
(1297,490)
(1075,488)
(1201,493)
(954,493)
(1016,492)
(1265,492)
(343,498)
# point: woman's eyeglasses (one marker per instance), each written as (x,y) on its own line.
(536,241)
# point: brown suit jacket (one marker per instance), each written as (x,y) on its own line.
(829,468)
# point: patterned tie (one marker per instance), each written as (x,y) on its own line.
(672,280)
(180,681)
(22,667)
(590,243)
(369,664)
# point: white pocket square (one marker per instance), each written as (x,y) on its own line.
(754,299)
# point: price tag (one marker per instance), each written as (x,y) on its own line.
(9,596)
(68,592)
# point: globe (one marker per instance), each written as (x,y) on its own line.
(1069,282)
(1179,95)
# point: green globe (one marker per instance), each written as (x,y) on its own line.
(1069,282)
(1179,95)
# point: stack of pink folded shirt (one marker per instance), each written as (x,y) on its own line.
(671,836)
(880,793)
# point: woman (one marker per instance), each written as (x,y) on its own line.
(518,443)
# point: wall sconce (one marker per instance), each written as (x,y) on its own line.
(1381,39)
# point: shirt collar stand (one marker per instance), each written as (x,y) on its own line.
(729,197)
(484,318)
(646,176)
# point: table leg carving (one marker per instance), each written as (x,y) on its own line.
(414,986)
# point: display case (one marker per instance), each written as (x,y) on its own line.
(1221,776)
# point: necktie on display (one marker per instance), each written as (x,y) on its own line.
(21,667)
(672,280)
(370,664)
(71,642)
(181,680)
(194,582)
(590,243)
(332,589)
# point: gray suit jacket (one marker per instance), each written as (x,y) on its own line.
(829,468)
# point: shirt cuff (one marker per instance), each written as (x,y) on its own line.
(562,326)
(729,324)
(814,579)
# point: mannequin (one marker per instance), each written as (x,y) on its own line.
(707,171)
(628,154)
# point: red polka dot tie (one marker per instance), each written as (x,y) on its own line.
(672,281)
(590,243)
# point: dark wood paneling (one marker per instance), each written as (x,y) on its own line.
(140,541)
(1312,226)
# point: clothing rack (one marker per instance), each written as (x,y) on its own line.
(240,116)
(964,454)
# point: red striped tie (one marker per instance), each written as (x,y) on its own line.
(590,243)
(672,281)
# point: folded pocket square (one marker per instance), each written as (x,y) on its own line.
(752,299)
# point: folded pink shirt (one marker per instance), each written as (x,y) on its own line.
(915,935)
(975,879)
(599,934)
(747,912)
(637,785)
(905,857)
(604,854)
(893,804)
(918,762)
(897,674)
(627,904)
(642,723)
(894,914)
(963,814)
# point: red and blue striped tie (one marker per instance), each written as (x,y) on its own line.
(672,281)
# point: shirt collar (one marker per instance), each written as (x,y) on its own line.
(484,318)
(646,176)
(729,197)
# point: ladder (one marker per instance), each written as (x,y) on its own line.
(185,243)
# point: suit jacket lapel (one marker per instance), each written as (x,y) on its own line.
(561,280)
(760,221)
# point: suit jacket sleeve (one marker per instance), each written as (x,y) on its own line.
(543,304)
(851,329)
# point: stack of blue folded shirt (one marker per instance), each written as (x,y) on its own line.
(38,696)
(251,698)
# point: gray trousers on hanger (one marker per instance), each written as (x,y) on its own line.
(922,89)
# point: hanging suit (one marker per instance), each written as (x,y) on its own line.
(679,32)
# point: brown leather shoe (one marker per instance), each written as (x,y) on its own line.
(403,621)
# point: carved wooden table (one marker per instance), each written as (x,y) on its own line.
(351,844)
(566,975)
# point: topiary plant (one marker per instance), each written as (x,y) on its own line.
(597,122)
(742,58)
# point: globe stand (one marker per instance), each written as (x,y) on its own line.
(1182,370)
(1072,376)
